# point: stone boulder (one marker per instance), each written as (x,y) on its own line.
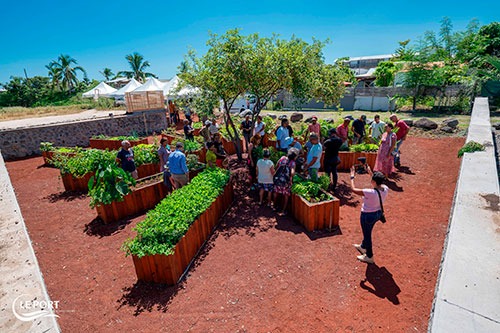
(245,113)
(329,120)
(308,120)
(283,116)
(271,115)
(450,122)
(425,124)
(447,129)
(408,122)
(296,117)
(349,116)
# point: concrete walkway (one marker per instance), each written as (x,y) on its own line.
(51,120)
(468,290)
(21,282)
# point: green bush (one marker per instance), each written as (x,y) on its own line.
(145,154)
(171,218)
(470,147)
(110,183)
(310,190)
(364,147)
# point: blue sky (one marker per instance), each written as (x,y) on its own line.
(99,34)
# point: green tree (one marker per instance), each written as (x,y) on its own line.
(107,73)
(385,72)
(403,52)
(236,64)
(65,65)
(138,67)
(55,75)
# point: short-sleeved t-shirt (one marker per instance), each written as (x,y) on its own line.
(211,157)
(264,167)
(315,151)
(259,129)
(282,136)
(332,146)
(127,159)
(377,129)
(246,125)
(371,202)
(316,128)
(403,129)
(359,126)
(163,153)
(342,132)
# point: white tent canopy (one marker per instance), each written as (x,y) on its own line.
(171,86)
(101,90)
(132,85)
(151,84)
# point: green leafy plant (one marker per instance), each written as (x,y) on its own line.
(193,162)
(145,154)
(310,190)
(165,225)
(85,161)
(470,147)
(364,147)
(189,145)
(110,183)
(46,146)
(270,125)
(197,125)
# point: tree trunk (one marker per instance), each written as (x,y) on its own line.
(234,135)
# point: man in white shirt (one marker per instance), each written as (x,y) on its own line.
(259,127)
(377,128)
(214,127)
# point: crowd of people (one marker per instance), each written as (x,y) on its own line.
(273,180)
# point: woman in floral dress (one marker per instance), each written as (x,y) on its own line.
(285,169)
(385,160)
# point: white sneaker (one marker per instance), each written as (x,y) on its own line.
(359,248)
(365,258)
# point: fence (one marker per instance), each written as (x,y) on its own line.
(144,101)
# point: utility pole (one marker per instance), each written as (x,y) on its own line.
(25,74)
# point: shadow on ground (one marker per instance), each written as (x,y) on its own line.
(147,297)
(382,283)
(66,196)
(98,228)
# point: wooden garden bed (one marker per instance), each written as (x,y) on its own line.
(316,216)
(114,144)
(139,200)
(229,146)
(348,159)
(169,269)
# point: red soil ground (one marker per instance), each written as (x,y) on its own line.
(258,272)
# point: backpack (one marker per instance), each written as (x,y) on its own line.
(282,175)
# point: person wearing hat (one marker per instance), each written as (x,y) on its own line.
(358,128)
(343,132)
(401,134)
(314,127)
(313,161)
(205,132)
(178,167)
(265,173)
(332,160)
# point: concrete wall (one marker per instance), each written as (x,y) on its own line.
(467,297)
(21,142)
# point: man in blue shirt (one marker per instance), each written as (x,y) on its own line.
(178,167)
(283,139)
(313,161)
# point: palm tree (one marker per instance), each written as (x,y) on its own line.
(107,73)
(64,65)
(54,74)
(138,66)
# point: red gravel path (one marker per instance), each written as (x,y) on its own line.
(259,273)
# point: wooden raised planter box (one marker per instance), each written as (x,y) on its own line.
(229,146)
(72,183)
(139,200)
(348,159)
(171,138)
(202,154)
(169,269)
(114,144)
(316,216)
